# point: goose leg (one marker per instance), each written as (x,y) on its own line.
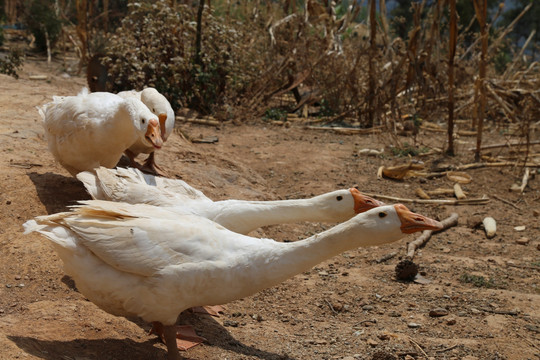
(184,336)
(131,156)
(150,166)
(169,336)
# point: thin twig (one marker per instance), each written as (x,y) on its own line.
(494,146)
(331,307)
(386,257)
(447,349)
(506,202)
(478,201)
(418,346)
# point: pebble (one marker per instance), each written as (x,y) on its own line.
(438,312)
(413,325)
(522,241)
(257,317)
(372,342)
(230,323)
(367,307)
(536,213)
(451,321)
(520,228)
(475,311)
(17,277)
(8,286)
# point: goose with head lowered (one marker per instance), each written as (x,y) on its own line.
(241,216)
(142,260)
(160,106)
(90,130)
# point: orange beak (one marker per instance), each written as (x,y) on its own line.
(162,119)
(363,202)
(412,222)
(153,134)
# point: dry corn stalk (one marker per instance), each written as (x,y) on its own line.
(480,7)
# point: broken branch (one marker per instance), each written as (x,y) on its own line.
(478,201)
(450,221)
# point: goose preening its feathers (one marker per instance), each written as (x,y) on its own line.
(241,216)
(160,106)
(90,130)
(142,260)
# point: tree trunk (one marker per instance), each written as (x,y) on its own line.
(451,55)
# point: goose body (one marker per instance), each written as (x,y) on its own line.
(93,129)
(241,216)
(160,106)
(140,260)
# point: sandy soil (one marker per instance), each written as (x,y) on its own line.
(349,307)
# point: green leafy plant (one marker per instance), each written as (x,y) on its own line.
(407,150)
(478,281)
(154,46)
(275,114)
(11,63)
(43,21)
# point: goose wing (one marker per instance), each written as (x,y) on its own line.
(142,239)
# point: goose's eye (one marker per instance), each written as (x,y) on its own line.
(339,198)
(153,110)
(382,214)
(143,121)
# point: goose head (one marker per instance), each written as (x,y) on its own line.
(390,223)
(159,105)
(341,205)
(145,123)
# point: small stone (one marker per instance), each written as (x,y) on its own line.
(323,273)
(372,342)
(451,321)
(17,277)
(522,241)
(8,202)
(367,307)
(257,317)
(538,246)
(230,323)
(475,311)
(348,358)
(8,286)
(413,325)
(21,285)
(520,228)
(536,213)
(438,312)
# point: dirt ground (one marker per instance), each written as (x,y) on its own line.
(349,307)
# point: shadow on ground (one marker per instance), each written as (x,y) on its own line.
(57,192)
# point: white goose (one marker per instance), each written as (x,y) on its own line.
(93,129)
(141,260)
(241,216)
(160,106)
